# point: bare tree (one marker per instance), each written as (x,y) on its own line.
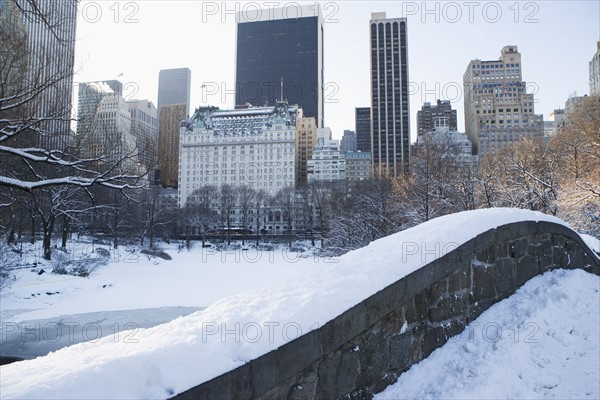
(285,200)
(261,199)
(578,146)
(245,197)
(199,215)
(228,198)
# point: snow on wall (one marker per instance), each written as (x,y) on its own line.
(173,357)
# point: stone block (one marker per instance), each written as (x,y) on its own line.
(304,388)
(484,283)
(436,291)
(400,352)
(297,355)
(373,350)
(337,374)
(517,248)
(385,301)
(449,307)
(505,276)
(343,328)
(433,338)
(526,268)
(559,257)
(418,280)
(241,382)
(264,373)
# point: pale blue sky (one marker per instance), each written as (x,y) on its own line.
(557,39)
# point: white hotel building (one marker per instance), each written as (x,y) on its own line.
(253,146)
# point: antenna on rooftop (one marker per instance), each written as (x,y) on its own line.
(281,89)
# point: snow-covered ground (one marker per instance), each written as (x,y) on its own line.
(132,281)
(541,343)
(173,357)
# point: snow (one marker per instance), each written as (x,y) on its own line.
(132,281)
(173,357)
(542,342)
(592,242)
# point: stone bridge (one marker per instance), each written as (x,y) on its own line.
(366,348)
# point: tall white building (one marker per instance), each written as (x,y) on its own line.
(253,147)
(595,72)
(498,109)
(327,163)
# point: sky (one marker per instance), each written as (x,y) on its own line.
(133,40)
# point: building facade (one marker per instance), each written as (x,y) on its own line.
(327,163)
(50,30)
(358,166)
(306,140)
(104,126)
(170,118)
(362,127)
(274,47)
(595,72)
(431,117)
(253,147)
(174,87)
(390,122)
(454,144)
(498,110)
(144,128)
(173,107)
(348,142)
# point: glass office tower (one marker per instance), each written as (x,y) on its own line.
(279,53)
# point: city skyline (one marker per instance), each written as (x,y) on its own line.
(436,65)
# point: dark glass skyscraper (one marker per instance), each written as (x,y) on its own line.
(362,127)
(281,45)
(390,128)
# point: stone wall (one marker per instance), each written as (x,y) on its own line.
(366,348)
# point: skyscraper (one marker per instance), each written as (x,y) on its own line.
(173,108)
(362,127)
(280,54)
(50,29)
(498,110)
(104,125)
(390,123)
(174,86)
(144,128)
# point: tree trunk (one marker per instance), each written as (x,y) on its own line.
(48,229)
(20,230)
(65,231)
(115,230)
(32,229)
